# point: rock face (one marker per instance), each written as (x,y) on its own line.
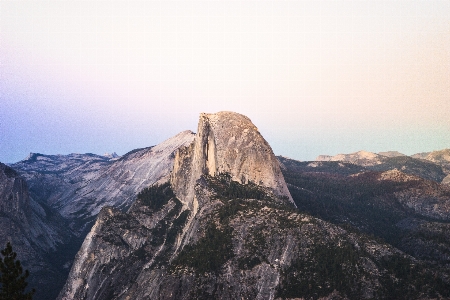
(35,232)
(446,180)
(231,254)
(118,183)
(32,219)
(67,192)
(391,154)
(362,158)
(224,227)
(441,157)
(14,197)
(79,185)
(227,143)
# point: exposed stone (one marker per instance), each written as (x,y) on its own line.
(227,142)
(35,232)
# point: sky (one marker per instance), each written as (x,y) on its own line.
(316,77)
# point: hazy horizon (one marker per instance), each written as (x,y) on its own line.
(315,77)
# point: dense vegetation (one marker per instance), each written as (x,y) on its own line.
(412,278)
(215,247)
(210,252)
(156,196)
(366,204)
(9,172)
(330,267)
(229,189)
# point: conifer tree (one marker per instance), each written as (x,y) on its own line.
(12,280)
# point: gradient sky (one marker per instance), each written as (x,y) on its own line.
(316,77)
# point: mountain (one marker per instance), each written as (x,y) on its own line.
(36,232)
(227,143)
(224,225)
(421,155)
(217,215)
(416,167)
(67,192)
(79,185)
(362,158)
(431,169)
(441,157)
(408,212)
(111,155)
(391,154)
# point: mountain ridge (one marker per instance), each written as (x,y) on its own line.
(208,232)
(157,211)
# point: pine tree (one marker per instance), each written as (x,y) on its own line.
(12,280)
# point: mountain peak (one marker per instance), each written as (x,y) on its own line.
(111,155)
(227,142)
(362,157)
(391,154)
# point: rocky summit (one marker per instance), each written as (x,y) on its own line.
(227,143)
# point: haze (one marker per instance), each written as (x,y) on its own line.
(316,77)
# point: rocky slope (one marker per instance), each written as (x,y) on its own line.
(224,227)
(391,154)
(441,157)
(35,231)
(79,185)
(240,249)
(407,211)
(362,158)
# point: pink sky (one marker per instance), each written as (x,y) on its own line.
(316,77)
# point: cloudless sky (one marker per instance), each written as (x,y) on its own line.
(316,77)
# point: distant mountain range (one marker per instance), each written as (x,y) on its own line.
(216,215)
(430,165)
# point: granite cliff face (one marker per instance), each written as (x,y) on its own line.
(79,185)
(15,200)
(66,193)
(224,227)
(118,183)
(362,158)
(227,143)
(35,231)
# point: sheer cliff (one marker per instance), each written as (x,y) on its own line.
(227,143)
(35,231)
